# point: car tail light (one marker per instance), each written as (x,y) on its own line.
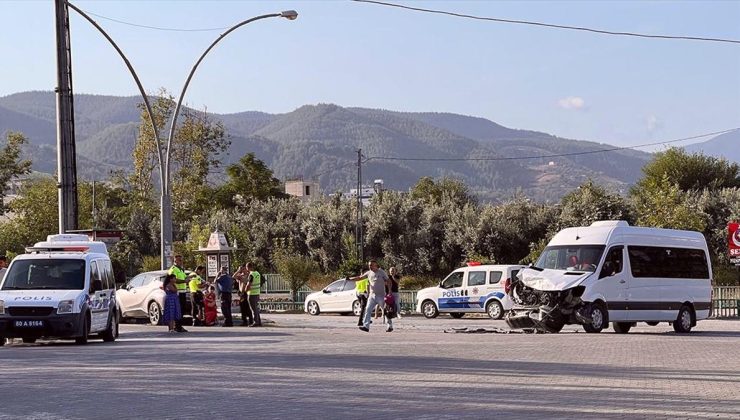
(507,286)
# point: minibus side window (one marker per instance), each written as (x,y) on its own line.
(613,263)
(476,278)
(495,277)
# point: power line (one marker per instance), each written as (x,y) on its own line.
(588,152)
(551,25)
(158,28)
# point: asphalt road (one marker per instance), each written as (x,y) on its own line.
(323,367)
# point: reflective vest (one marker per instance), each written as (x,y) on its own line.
(194,283)
(361,287)
(254,290)
(179,275)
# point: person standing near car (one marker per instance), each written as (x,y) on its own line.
(3,266)
(196,295)
(254,283)
(224,285)
(172,309)
(361,287)
(377,279)
(181,282)
(395,279)
(241,279)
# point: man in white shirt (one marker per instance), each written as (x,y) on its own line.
(377,278)
(3,266)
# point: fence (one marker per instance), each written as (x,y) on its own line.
(726,302)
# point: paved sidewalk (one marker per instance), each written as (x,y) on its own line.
(323,367)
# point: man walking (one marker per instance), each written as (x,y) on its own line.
(254,283)
(181,282)
(377,279)
(224,286)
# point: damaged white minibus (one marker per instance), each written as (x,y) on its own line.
(614,272)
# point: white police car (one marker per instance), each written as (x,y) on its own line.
(61,288)
(475,288)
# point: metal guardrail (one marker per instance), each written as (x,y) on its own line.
(726,302)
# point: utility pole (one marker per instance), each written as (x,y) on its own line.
(359,237)
(66,155)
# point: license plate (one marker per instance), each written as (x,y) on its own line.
(29,324)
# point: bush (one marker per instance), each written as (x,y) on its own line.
(418,282)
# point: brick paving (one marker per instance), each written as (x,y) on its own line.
(324,368)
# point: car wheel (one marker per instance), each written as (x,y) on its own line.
(28,340)
(554,327)
(111,333)
(85,331)
(429,309)
(155,313)
(682,324)
(313,308)
(494,309)
(2,341)
(599,318)
(652,324)
(457,315)
(356,308)
(621,327)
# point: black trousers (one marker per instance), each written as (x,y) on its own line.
(245,309)
(226,308)
(254,305)
(363,305)
(198,309)
(181,296)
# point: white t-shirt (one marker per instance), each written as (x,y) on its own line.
(377,281)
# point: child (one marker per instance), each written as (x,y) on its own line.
(211,313)
(172,310)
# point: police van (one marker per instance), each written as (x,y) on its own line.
(61,288)
(473,289)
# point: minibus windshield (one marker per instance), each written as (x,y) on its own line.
(571,257)
(60,274)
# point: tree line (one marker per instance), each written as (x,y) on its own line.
(425,232)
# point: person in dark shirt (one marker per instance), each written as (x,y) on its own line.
(224,286)
(395,279)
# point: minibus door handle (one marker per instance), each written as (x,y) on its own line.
(622,281)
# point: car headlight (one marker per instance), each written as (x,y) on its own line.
(2,307)
(66,307)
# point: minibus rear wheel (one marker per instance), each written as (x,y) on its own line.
(622,327)
(685,320)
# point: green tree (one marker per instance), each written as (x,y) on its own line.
(431,191)
(690,171)
(662,204)
(11,164)
(589,203)
(296,269)
(249,179)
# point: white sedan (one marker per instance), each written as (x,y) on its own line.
(339,297)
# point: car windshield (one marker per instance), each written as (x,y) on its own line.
(571,257)
(62,274)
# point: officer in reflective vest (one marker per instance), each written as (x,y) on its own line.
(195,285)
(361,292)
(181,281)
(253,285)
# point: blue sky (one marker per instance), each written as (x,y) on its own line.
(616,90)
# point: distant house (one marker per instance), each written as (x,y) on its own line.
(367,192)
(303,189)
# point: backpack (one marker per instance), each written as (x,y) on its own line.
(390,306)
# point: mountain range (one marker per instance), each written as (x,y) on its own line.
(321,141)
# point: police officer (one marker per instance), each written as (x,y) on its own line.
(181,282)
(361,292)
(254,283)
(196,295)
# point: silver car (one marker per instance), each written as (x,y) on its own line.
(143,298)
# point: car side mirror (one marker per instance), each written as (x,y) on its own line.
(326,291)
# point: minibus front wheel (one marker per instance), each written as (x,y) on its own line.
(599,318)
(685,320)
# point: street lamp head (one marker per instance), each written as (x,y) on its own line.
(289,14)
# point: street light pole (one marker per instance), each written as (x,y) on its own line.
(163,155)
(166,209)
